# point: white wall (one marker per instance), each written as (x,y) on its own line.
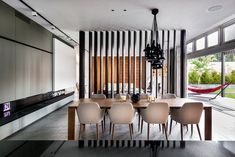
(64,65)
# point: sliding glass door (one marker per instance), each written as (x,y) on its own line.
(229,69)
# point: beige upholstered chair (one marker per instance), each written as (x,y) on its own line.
(169,96)
(89,113)
(98,96)
(155,113)
(118,96)
(190,113)
(143,96)
(121,113)
(77,86)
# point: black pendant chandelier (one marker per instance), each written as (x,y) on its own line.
(153,51)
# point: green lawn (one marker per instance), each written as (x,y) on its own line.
(228,90)
(230,96)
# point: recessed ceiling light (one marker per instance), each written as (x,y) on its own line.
(34,13)
(52,27)
(215,8)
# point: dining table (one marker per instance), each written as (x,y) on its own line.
(141,104)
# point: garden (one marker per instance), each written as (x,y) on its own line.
(202,73)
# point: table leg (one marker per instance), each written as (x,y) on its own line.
(208,123)
(71,123)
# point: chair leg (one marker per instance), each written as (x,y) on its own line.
(164,128)
(191,129)
(186,127)
(198,129)
(142,121)
(167,125)
(170,126)
(110,128)
(104,122)
(181,130)
(113,132)
(80,131)
(102,126)
(97,131)
(148,132)
(130,130)
(84,127)
(139,120)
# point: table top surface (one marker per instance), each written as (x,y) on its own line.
(107,103)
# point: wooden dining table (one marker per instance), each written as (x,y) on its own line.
(107,103)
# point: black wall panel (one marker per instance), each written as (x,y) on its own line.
(101,62)
(95,62)
(90,64)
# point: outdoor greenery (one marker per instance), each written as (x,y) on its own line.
(201,74)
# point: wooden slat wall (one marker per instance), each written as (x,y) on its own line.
(115,71)
(112,45)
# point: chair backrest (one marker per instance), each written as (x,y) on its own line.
(89,112)
(121,113)
(144,96)
(156,112)
(191,112)
(77,86)
(98,96)
(168,96)
(118,96)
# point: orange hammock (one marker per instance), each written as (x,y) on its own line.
(206,90)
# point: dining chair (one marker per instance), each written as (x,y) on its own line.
(155,113)
(189,113)
(168,96)
(77,86)
(144,96)
(98,96)
(89,113)
(121,113)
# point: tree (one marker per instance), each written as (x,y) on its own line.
(201,65)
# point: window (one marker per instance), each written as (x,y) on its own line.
(229,33)
(190,47)
(213,39)
(200,44)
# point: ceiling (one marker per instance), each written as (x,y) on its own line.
(74,15)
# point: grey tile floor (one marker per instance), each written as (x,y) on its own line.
(54,127)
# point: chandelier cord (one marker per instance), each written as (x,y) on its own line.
(155,30)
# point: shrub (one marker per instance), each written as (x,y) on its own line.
(216,77)
(232,77)
(228,78)
(206,78)
(193,77)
